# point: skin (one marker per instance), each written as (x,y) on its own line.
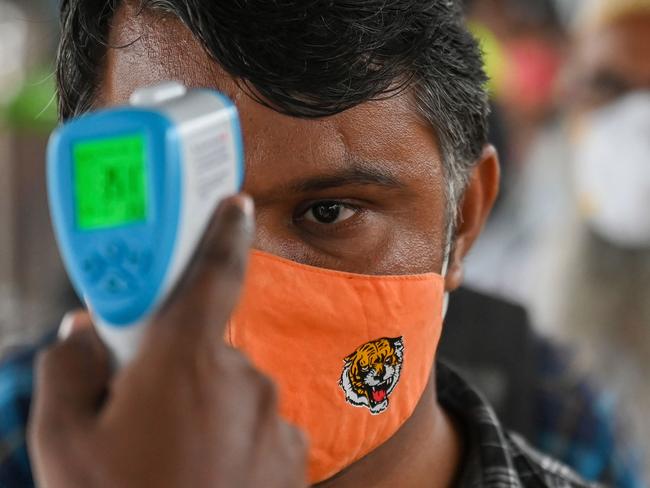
(383,164)
(91,430)
(610,60)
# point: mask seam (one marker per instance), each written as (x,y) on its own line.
(346,274)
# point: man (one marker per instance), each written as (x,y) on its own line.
(366,160)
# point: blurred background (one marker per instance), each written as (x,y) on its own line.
(33,287)
(569,240)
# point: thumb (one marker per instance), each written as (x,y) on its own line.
(206,296)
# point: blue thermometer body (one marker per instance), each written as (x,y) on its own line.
(131,191)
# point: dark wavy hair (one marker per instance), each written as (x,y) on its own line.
(314,58)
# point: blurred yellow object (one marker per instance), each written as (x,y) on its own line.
(494,57)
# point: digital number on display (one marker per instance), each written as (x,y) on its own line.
(110,184)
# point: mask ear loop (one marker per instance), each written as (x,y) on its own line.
(445,264)
(445,299)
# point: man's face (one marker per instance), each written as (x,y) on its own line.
(611,61)
(361,191)
(610,151)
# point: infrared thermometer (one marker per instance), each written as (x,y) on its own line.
(131,191)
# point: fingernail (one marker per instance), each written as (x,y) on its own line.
(66,327)
(245,203)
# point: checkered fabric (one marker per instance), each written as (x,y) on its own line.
(494,458)
(497,458)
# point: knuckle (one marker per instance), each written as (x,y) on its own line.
(53,362)
(233,362)
(34,431)
(232,218)
(296,438)
(48,359)
(228,259)
(229,360)
(268,391)
(295,450)
(300,440)
(45,431)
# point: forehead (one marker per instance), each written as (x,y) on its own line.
(155,47)
(621,46)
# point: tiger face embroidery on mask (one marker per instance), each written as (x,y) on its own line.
(371,373)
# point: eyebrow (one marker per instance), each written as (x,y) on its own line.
(357,174)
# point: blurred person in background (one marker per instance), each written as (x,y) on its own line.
(573,416)
(525,45)
(524,42)
(594,271)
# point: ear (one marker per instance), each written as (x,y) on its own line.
(479,197)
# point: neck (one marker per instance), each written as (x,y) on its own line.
(426,452)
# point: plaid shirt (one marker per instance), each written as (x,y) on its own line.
(495,458)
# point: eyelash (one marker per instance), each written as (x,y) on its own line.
(304,217)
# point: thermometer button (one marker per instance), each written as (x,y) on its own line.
(115,252)
(117,282)
(138,263)
(94,268)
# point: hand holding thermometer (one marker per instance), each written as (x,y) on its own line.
(131,191)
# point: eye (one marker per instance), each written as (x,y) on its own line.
(329,212)
(388,361)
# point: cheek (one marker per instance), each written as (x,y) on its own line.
(415,246)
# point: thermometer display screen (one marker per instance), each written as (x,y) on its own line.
(110,183)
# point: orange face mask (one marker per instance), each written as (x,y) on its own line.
(351,354)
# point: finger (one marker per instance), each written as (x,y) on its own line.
(69,376)
(283,448)
(73,321)
(297,439)
(298,444)
(207,294)
(71,379)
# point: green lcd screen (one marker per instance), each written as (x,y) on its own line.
(110,183)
